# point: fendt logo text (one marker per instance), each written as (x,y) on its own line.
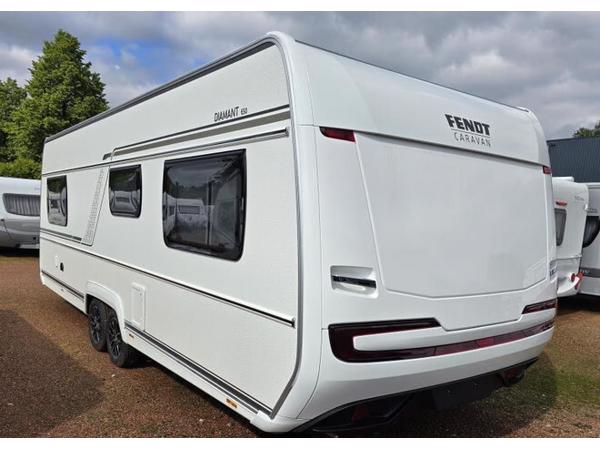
(471,131)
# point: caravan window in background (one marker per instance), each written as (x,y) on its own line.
(204,198)
(57,200)
(560,217)
(22,204)
(125,191)
(592,226)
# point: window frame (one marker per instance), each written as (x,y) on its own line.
(595,219)
(241,219)
(48,180)
(138,168)
(563,220)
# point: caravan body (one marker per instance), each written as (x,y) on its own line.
(570,210)
(19,212)
(311,232)
(590,260)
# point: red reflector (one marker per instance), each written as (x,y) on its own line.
(541,306)
(341,338)
(561,203)
(336,133)
(547,170)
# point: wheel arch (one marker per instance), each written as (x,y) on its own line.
(109,297)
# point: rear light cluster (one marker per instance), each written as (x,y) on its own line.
(547,170)
(337,133)
(541,306)
(342,337)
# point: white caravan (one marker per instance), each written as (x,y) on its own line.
(316,242)
(570,211)
(590,260)
(19,212)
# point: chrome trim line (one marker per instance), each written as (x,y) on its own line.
(72,290)
(225,387)
(70,237)
(237,141)
(205,131)
(289,321)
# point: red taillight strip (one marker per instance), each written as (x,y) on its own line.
(541,306)
(337,133)
(341,338)
(547,170)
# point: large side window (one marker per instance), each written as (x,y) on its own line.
(560,217)
(125,191)
(592,226)
(203,204)
(57,200)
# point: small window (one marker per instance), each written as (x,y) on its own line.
(592,226)
(203,204)
(22,204)
(125,191)
(57,200)
(560,216)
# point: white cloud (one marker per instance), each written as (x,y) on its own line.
(14,62)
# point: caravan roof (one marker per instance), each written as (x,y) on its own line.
(338,91)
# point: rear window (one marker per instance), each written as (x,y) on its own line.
(57,200)
(125,191)
(204,204)
(22,204)
(560,216)
(592,226)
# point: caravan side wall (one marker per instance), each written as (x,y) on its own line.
(570,210)
(216,321)
(590,260)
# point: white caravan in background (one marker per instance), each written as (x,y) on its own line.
(590,260)
(350,240)
(570,211)
(19,212)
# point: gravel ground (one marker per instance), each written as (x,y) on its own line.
(52,383)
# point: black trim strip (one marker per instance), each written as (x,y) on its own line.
(248,401)
(211,67)
(237,141)
(72,290)
(356,281)
(269,315)
(70,237)
(590,272)
(215,127)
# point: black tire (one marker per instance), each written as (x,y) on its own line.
(120,353)
(97,317)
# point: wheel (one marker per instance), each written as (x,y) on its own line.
(97,324)
(121,354)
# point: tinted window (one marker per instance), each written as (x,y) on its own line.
(203,204)
(592,226)
(22,204)
(57,200)
(125,191)
(560,216)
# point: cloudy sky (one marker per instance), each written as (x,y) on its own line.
(548,62)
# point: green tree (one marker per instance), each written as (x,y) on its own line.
(588,132)
(63,91)
(21,168)
(11,96)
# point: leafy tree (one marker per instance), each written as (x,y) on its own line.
(588,132)
(62,92)
(11,96)
(21,168)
